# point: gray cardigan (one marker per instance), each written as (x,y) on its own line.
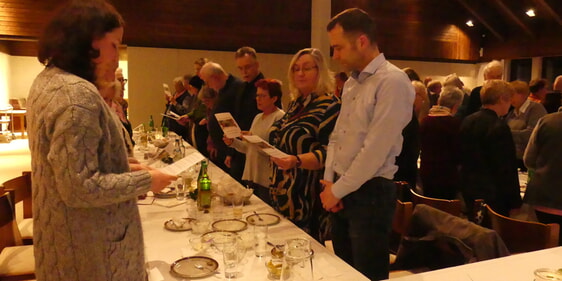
(544,156)
(86,221)
(522,125)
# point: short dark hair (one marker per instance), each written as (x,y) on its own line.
(537,85)
(342,75)
(355,21)
(272,86)
(67,40)
(246,51)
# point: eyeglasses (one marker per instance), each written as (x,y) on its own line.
(304,69)
(122,80)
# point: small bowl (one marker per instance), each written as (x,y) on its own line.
(274,267)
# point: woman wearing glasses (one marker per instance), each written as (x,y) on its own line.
(303,134)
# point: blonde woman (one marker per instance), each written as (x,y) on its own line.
(303,134)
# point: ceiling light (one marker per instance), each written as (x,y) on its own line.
(530,13)
(469,23)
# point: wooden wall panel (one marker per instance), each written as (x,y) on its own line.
(184,24)
(408,29)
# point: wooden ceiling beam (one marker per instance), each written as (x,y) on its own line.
(481,19)
(507,11)
(546,7)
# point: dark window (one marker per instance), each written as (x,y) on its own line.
(520,70)
(551,67)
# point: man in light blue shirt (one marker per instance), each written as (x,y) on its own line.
(377,103)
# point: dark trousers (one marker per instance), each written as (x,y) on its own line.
(237,163)
(547,218)
(360,232)
(261,192)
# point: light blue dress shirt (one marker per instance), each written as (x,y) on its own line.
(377,104)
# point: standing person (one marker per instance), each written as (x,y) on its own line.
(303,133)
(257,168)
(245,107)
(544,156)
(488,166)
(492,71)
(228,88)
(440,148)
(376,106)
(341,77)
(522,119)
(87,224)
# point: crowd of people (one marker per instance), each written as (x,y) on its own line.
(347,138)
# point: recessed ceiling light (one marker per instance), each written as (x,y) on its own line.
(469,23)
(530,13)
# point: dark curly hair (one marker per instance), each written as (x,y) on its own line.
(67,40)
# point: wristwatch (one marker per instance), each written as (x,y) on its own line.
(299,161)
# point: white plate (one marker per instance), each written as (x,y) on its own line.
(194,267)
(183,224)
(266,219)
(230,225)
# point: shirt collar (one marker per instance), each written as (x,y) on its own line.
(524,106)
(370,69)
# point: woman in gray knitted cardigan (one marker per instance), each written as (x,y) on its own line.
(86,221)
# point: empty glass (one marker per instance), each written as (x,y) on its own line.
(297,261)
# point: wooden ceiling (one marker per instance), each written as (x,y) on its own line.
(408,29)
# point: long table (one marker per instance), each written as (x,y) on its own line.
(519,267)
(163,247)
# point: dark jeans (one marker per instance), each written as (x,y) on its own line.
(550,218)
(360,232)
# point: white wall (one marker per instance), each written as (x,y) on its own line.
(23,71)
(4,76)
(148,68)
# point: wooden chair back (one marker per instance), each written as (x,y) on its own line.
(453,207)
(402,216)
(7,222)
(403,191)
(400,223)
(523,236)
(21,188)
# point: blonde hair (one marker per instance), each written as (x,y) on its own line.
(495,90)
(326,81)
(520,87)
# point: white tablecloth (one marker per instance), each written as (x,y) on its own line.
(163,247)
(519,267)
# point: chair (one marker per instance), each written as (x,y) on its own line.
(403,191)
(436,239)
(21,187)
(16,262)
(453,207)
(523,236)
(400,222)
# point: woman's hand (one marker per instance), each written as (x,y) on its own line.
(184,120)
(227,141)
(203,122)
(160,180)
(285,163)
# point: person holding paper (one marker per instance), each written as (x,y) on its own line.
(257,167)
(303,133)
(86,220)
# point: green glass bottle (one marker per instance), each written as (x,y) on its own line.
(203,188)
(151,124)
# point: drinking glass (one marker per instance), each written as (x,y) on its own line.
(260,236)
(231,260)
(237,206)
(297,261)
